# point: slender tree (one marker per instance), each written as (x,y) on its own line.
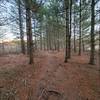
(99,39)
(80,34)
(92,52)
(41,37)
(70,29)
(74,32)
(29,30)
(67,29)
(74,26)
(21,27)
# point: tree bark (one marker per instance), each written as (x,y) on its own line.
(80,34)
(74,32)
(21,28)
(92,52)
(67,29)
(69,39)
(29,34)
(99,42)
(83,45)
(41,36)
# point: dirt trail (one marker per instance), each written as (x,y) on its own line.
(74,81)
(51,79)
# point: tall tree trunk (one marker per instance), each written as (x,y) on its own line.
(41,41)
(55,40)
(58,42)
(74,40)
(83,45)
(74,31)
(67,29)
(80,34)
(57,30)
(69,40)
(35,40)
(29,34)
(21,28)
(44,43)
(92,52)
(41,37)
(99,47)
(47,37)
(99,41)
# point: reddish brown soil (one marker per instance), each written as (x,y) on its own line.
(50,78)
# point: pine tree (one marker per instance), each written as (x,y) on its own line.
(67,29)
(21,27)
(92,52)
(29,30)
(80,34)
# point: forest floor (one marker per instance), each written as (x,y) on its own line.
(49,78)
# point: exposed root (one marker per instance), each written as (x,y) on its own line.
(46,94)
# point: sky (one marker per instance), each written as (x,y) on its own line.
(6,29)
